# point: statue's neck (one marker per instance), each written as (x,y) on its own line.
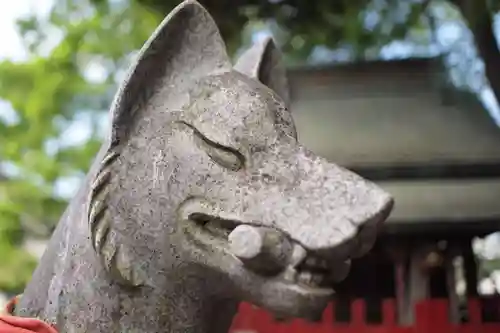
(90,303)
(184,311)
(74,293)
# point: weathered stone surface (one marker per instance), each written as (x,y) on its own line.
(198,148)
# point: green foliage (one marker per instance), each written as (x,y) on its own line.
(48,92)
(301,25)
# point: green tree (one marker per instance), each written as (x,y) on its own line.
(47,93)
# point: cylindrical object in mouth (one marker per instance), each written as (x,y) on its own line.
(261,249)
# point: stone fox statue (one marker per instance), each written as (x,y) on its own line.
(201,198)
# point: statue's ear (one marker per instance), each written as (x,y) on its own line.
(263,62)
(184,48)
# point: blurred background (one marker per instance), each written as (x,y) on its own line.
(403,92)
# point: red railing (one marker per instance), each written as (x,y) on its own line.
(430,317)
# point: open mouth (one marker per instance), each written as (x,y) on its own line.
(310,272)
(301,267)
(215,226)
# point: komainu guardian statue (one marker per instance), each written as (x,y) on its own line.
(200,198)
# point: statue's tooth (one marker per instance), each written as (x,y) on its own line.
(290,274)
(298,255)
(305,277)
(312,261)
(317,279)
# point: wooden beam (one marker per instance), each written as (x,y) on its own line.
(470,268)
(381,115)
(418,284)
(452,251)
(446,201)
(435,171)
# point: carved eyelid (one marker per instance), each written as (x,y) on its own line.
(218,146)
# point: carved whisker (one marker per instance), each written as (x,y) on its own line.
(97,210)
(101,232)
(101,181)
(109,158)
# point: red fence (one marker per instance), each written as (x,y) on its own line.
(430,317)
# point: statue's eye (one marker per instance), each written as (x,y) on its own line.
(224,156)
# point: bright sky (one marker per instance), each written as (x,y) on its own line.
(10,46)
